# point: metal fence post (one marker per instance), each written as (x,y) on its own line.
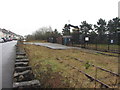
(96,43)
(108,42)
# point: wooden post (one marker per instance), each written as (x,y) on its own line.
(95,75)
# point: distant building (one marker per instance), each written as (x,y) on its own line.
(1,33)
(9,35)
(67,39)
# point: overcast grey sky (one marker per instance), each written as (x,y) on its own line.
(25,16)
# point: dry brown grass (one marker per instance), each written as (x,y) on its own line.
(40,41)
(47,63)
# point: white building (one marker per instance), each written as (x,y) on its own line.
(5,33)
(8,34)
(1,33)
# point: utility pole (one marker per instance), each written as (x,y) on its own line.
(119,44)
(119,9)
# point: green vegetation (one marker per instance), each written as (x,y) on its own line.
(43,33)
(52,68)
(101,32)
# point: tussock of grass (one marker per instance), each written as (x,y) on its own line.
(51,67)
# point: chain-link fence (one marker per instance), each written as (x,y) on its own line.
(108,42)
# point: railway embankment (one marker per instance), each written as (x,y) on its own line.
(23,76)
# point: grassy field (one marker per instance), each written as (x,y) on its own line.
(52,68)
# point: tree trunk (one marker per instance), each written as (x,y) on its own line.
(27,84)
(23,76)
(17,64)
(21,57)
(21,69)
(22,60)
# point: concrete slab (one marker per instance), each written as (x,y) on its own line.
(52,45)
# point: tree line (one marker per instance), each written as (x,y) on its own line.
(101,31)
(43,33)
